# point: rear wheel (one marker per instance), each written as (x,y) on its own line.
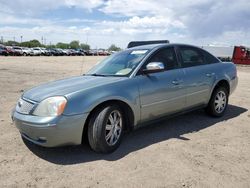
(105,129)
(218,102)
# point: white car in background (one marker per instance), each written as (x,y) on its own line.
(44,51)
(37,51)
(27,51)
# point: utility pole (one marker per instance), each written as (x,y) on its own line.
(87,38)
(21,38)
(42,39)
(2,39)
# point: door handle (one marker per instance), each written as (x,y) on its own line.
(210,74)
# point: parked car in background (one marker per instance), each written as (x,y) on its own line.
(45,52)
(10,50)
(40,51)
(93,52)
(106,52)
(88,52)
(66,52)
(77,52)
(61,52)
(80,52)
(127,89)
(27,51)
(73,52)
(37,51)
(112,52)
(53,52)
(101,52)
(4,51)
(17,50)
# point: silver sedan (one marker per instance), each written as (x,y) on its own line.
(128,89)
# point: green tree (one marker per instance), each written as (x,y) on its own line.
(30,44)
(11,43)
(34,43)
(85,46)
(74,44)
(51,46)
(25,44)
(114,48)
(62,45)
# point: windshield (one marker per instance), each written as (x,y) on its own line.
(119,64)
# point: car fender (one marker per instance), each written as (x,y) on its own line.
(85,101)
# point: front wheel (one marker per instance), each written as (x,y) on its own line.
(105,129)
(218,102)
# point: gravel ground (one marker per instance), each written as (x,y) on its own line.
(192,150)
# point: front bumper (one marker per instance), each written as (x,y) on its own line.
(51,132)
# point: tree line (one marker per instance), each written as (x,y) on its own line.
(72,45)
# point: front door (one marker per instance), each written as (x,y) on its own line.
(162,93)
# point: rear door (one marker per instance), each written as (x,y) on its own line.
(199,75)
(163,92)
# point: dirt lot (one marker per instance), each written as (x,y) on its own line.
(191,150)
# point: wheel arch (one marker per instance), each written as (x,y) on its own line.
(127,111)
(219,83)
(223,83)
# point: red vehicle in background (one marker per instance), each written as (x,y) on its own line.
(10,50)
(241,55)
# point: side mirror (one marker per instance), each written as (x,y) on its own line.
(154,67)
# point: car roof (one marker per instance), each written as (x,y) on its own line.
(154,46)
(148,47)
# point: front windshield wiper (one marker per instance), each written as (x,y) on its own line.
(95,74)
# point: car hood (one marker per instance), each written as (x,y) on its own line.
(67,86)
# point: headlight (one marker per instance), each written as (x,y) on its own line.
(51,107)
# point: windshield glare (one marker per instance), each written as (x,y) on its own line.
(119,64)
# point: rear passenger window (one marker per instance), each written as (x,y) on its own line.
(167,57)
(191,57)
(210,58)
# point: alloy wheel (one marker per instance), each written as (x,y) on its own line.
(113,128)
(220,101)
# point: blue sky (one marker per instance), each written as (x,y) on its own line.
(102,23)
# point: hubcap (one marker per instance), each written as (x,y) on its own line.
(113,128)
(220,102)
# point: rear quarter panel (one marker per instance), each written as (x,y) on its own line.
(225,71)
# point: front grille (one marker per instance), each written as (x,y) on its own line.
(24,107)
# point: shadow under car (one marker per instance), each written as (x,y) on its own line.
(136,140)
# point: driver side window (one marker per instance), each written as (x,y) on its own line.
(167,57)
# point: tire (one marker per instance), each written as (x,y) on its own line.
(218,102)
(105,136)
